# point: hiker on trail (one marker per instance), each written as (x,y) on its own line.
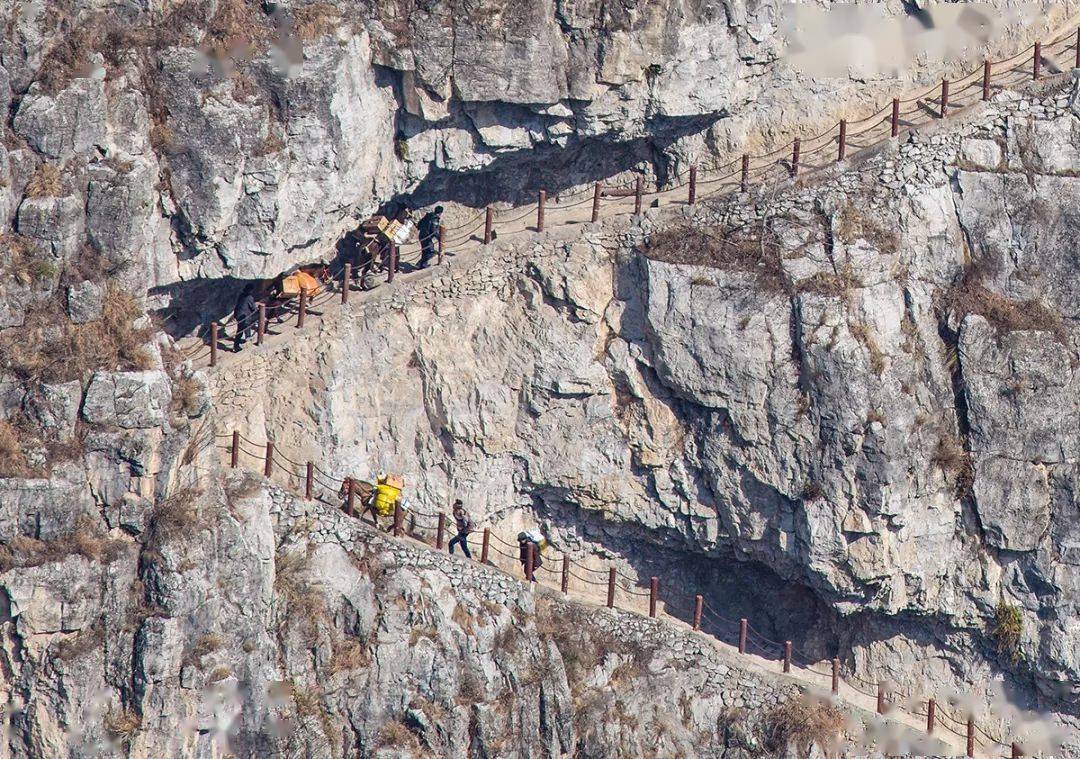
(429,235)
(464,526)
(388,489)
(525,540)
(246,315)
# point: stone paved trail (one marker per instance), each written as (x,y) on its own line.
(565,217)
(898,726)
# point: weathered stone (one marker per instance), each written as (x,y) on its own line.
(84,302)
(133,400)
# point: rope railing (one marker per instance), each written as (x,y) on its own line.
(783,163)
(559,567)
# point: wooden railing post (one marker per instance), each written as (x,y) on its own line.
(835,676)
(234,459)
(971,736)
(986,79)
(745,180)
(880,698)
(787,655)
(699,606)
(895,119)
(638,182)
(931,713)
(440,534)
(611,588)
(530,561)
(489,224)
(795,146)
(842,149)
(654,591)
(309,481)
(1036,61)
(302,310)
(484,547)
(1076,64)
(268,465)
(944,98)
(399,519)
(742,635)
(214,342)
(261,332)
(346,277)
(442,242)
(597,189)
(540,199)
(692,193)
(565,574)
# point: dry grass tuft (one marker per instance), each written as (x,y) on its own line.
(969,296)
(955,462)
(694,246)
(46,182)
(396,735)
(803,724)
(63,351)
(12,459)
(203,647)
(851,224)
(81,644)
(187,399)
(832,284)
(305,606)
(348,656)
(86,539)
(583,645)
(316,20)
(1007,630)
(175,516)
(863,334)
(122,725)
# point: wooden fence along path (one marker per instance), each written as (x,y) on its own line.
(797,159)
(615,589)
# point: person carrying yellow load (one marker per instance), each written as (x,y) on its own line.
(388,489)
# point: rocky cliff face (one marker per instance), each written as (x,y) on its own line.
(221,138)
(858,425)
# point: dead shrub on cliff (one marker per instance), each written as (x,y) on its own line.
(50,347)
(969,296)
(802,723)
(749,250)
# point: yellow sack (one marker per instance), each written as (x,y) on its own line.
(386,496)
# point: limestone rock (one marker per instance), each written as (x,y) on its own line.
(133,400)
(84,302)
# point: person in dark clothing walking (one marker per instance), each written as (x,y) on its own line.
(246,315)
(529,542)
(464,526)
(428,228)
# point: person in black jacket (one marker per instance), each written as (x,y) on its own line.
(463,523)
(428,229)
(246,315)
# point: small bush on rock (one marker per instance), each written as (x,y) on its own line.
(741,251)
(12,458)
(46,182)
(1007,630)
(802,724)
